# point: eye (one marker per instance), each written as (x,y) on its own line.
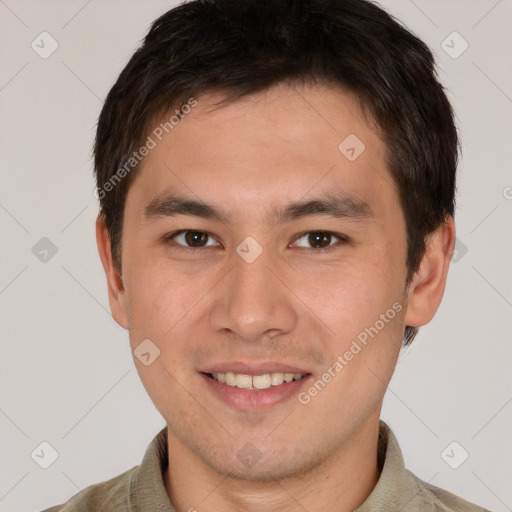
(320,240)
(189,239)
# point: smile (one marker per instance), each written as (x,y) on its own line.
(252,382)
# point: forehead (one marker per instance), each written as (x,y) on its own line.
(268,148)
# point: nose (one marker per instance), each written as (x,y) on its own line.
(253,300)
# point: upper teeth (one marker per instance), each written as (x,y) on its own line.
(264,381)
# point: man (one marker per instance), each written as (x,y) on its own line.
(276,181)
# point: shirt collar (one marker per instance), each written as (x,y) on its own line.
(397,489)
(146,488)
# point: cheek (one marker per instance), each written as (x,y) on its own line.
(159,304)
(366,323)
(361,305)
(350,296)
(158,299)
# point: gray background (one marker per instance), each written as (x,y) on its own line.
(67,376)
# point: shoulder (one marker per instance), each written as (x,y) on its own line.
(110,495)
(403,490)
(440,500)
(140,488)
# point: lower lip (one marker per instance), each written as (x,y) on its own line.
(252,399)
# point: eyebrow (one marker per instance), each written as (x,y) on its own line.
(338,205)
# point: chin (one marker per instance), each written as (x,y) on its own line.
(250,465)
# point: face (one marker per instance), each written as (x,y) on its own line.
(293,261)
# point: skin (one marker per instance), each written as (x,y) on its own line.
(292,304)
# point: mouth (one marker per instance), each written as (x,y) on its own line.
(255,388)
(254,382)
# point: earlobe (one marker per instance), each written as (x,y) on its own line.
(428,284)
(116,290)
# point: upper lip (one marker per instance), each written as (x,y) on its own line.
(256,368)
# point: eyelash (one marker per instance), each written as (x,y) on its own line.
(342,240)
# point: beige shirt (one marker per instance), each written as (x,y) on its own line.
(141,489)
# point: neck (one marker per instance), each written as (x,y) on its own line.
(343,482)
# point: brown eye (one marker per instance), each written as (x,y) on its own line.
(192,239)
(320,240)
(196,238)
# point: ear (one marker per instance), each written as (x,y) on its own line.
(116,291)
(428,283)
